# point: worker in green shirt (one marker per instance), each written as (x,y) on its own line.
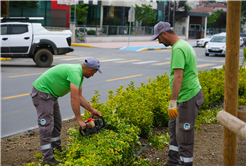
(186,98)
(54,83)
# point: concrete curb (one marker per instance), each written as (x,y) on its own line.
(159,48)
(34,128)
(5,59)
(81,45)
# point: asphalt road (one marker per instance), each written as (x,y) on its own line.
(119,68)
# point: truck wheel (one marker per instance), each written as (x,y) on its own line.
(43,58)
(206,54)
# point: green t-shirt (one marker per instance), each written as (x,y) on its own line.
(56,81)
(184,57)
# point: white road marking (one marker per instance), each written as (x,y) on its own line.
(110,60)
(144,62)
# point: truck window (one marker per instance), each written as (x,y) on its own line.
(19,29)
(3,29)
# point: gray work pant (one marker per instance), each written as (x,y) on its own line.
(181,130)
(49,121)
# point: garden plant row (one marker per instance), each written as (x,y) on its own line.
(133,112)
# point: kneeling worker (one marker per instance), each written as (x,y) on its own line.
(54,83)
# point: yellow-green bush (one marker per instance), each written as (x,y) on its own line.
(136,110)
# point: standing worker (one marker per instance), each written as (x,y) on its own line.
(186,98)
(54,83)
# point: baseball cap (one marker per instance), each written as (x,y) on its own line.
(93,63)
(159,28)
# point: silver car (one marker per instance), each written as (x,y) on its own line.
(217,45)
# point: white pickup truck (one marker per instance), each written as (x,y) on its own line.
(32,40)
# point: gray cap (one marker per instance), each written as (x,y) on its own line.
(159,28)
(93,63)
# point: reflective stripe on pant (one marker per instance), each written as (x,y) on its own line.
(182,131)
(173,154)
(49,121)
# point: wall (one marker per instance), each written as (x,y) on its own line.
(54,5)
(128,3)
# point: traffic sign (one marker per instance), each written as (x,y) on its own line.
(131,15)
(67,2)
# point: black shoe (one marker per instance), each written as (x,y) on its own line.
(168,164)
(51,162)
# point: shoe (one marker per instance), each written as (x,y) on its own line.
(51,162)
(167,164)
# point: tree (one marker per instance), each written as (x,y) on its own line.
(4,9)
(181,11)
(221,20)
(188,7)
(145,15)
(243,12)
(24,4)
(80,12)
(213,18)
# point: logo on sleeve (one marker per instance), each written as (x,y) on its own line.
(43,121)
(186,126)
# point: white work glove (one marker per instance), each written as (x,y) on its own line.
(172,109)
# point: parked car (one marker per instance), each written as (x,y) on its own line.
(243,36)
(217,45)
(203,42)
(32,40)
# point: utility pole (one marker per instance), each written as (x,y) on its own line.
(173,12)
(169,11)
(7,8)
(231,78)
(164,18)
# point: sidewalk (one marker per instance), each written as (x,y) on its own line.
(133,46)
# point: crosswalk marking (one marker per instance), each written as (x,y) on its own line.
(204,65)
(139,61)
(70,59)
(161,63)
(63,57)
(133,60)
(144,62)
(217,67)
(110,60)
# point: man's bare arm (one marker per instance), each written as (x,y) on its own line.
(177,82)
(75,103)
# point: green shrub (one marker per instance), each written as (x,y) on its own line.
(91,32)
(132,111)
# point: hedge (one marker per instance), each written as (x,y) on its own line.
(134,111)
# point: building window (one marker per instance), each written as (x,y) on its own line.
(160,15)
(93,15)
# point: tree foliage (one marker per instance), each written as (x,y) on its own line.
(24,4)
(243,12)
(81,10)
(217,19)
(4,10)
(145,15)
(181,11)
